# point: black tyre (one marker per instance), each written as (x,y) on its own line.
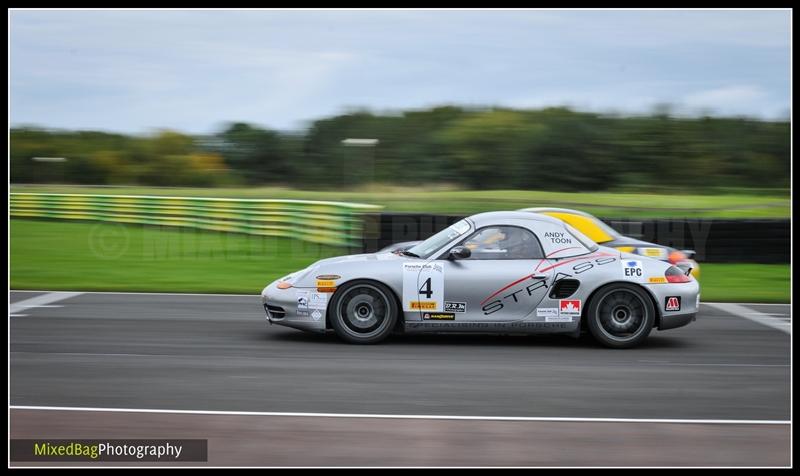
(620,315)
(363,312)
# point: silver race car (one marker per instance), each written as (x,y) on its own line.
(496,272)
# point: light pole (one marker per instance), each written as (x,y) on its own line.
(367,170)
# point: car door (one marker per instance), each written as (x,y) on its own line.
(501,279)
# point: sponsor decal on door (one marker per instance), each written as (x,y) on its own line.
(455,306)
(569,308)
(553,314)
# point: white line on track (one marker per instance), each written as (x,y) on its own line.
(39,301)
(403,417)
(750,314)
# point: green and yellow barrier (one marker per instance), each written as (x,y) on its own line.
(332,223)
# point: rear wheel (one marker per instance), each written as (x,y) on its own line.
(620,315)
(363,312)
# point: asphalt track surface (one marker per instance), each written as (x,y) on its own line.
(217,353)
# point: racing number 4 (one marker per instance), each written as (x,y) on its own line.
(423,287)
(426,289)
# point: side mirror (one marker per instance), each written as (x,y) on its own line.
(460,252)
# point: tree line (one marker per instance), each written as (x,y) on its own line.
(498,148)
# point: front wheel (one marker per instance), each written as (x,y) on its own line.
(363,312)
(620,315)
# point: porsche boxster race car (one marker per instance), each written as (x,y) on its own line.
(496,272)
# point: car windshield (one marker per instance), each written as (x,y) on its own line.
(433,244)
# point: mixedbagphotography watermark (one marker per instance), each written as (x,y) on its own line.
(109,240)
(96,450)
(677,233)
(369,232)
(156,243)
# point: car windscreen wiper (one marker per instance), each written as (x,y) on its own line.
(408,253)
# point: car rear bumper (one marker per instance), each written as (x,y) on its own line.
(672,321)
(678,303)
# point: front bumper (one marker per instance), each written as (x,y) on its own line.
(281,308)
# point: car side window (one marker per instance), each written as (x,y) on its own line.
(503,242)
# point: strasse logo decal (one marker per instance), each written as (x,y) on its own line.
(673,303)
(515,297)
(570,307)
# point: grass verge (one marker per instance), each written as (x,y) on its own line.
(745,282)
(112,257)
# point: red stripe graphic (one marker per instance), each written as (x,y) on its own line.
(562,263)
(598,255)
(563,249)
(503,289)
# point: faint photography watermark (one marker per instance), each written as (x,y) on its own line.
(108,240)
(368,232)
(681,234)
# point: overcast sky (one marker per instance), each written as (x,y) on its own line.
(133,71)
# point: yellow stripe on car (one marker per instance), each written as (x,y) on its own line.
(584,225)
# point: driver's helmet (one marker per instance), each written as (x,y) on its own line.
(486,238)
